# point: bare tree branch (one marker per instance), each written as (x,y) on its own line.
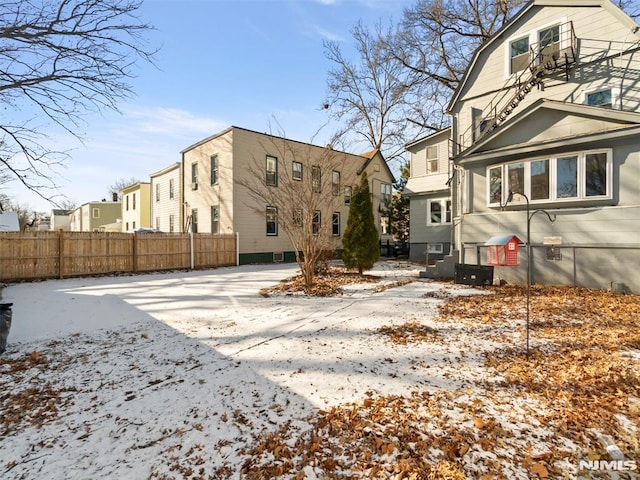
(63,58)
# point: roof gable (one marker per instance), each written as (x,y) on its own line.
(547,120)
(503,33)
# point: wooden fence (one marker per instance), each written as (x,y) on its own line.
(35,255)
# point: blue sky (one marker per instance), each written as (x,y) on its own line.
(249,63)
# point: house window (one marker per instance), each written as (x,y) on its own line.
(601,98)
(133,202)
(432,159)
(126,201)
(549,44)
(516,177)
(335,224)
(385,193)
(297,217)
(348,191)
(435,248)
(316,179)
(194,220)
(595,174)
(296,170)
(157,192)
(577,176)
(95,213)
(495,184)
(171,188)
(335,182)
(272,171)
(214,169)
(519,54)
(384,225)
(315,224)
(540,180)
(172,221)
(272,221)
(157,223)
(567,177)
(126,226)
(215,219)
(194,176)
(133,225)
(439,211)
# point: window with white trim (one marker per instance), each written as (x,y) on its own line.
(171,189)
(297,217)
(194,220)
(215,218)
(518,54)
(432,159)
(348,191)
(316,179)
(272,171)
(157,192)
(569,177)
(385,192)
(435,248)
(214,169)
(439,211)
(335,224)
(606,97)
(272,221)
(296,170)
(315,223)
(335,182)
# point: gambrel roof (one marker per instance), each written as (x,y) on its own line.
(623,18)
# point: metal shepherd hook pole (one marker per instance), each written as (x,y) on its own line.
(530,215)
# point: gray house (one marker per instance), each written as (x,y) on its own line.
(429,192)
(556,138)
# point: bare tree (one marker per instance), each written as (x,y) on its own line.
(301,201)
(369,95)
(399,87)
(119,184)
(59,60)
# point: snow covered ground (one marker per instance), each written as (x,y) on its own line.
(135,374)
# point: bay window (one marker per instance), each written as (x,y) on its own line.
(575,176)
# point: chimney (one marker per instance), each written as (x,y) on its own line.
(114,196)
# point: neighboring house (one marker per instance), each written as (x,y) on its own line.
(429,192)
(215,201)
(549,111)
(166,195)
(136,207)
(93,215)
(59,219)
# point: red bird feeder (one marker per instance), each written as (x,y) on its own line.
(503,251)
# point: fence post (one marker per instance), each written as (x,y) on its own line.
(191,254)
(60,254)
(135,252)
(237,249)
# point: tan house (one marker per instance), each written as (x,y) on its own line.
(93,215)
(556,135)
(166,199)
(136,207)
(215,199)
